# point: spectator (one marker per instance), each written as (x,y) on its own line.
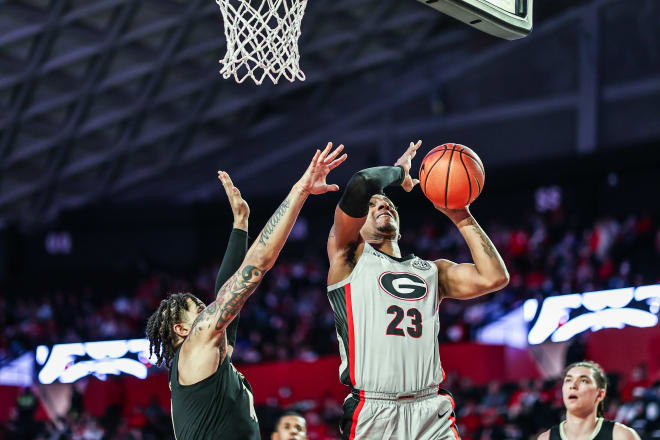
(290,426)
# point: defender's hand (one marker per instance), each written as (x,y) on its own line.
(313,181)
(239,207)
(405,162)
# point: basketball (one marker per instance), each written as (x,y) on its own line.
(451,176)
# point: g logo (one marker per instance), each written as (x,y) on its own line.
(403,285)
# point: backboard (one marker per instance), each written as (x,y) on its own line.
(508,19)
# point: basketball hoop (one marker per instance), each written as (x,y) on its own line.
(263,40)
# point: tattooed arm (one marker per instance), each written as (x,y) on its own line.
(208,330)
(487,274)
(205,346)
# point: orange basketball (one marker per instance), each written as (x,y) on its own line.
(451,176)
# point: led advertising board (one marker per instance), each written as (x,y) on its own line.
(66,363)
(561,317)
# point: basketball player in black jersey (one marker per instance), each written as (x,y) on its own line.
(583,389)
(210,398)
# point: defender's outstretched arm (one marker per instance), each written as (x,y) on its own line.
(236,247)
(211,323)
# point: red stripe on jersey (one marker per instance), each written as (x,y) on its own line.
(356,414)
(351,334)
(453,404)
(453,427)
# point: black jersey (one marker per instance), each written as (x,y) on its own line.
(603,431)
(219,407)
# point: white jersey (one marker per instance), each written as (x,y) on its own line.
(386,317)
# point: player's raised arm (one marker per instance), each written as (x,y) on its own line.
(351,212)
(468,280)
(236,247)
(211,323)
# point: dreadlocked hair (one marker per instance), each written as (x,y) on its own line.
(160,326)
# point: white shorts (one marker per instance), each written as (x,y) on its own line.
(424,415)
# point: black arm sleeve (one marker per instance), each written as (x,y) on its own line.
(366,183)
(231,262)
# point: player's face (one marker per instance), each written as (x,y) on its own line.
(291,428)
(188,316)
(383,215)
(580,391)
(194,309)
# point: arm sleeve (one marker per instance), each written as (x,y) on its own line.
(364,184)
(231,262)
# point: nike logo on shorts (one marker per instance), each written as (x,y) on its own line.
(443,416)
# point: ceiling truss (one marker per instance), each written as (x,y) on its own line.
(105,99)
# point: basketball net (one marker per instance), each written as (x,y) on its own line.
(262,41)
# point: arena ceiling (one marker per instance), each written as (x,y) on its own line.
(116,100)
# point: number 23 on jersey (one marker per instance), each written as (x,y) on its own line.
(415,330)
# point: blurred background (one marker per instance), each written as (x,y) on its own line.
(114,121)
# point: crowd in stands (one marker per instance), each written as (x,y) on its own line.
(289,317)
(498,411)
(149,423)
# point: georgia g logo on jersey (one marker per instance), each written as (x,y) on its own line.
(403,285)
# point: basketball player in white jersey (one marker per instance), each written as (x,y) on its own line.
(386,310)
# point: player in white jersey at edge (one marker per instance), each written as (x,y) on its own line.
(386,309)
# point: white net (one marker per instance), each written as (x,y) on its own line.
(262,41)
